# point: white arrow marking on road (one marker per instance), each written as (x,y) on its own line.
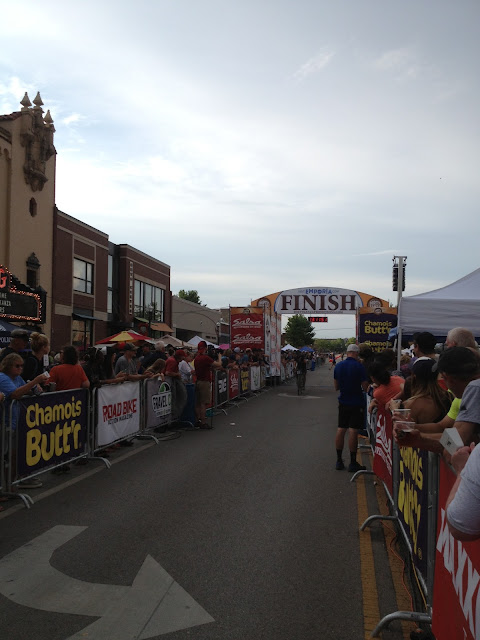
(155,604)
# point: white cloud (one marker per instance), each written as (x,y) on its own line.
(314,65)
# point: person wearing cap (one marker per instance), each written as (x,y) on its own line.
(128,363)
(19,341)
(203,386)
(351,380)
(460,367)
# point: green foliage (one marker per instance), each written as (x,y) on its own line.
(191,295)
(299,332)
(337,345)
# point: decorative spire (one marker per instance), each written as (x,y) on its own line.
(26,101)
(38,102)
(48,118)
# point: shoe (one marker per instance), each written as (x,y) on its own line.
(33,483)
(355,466)
(339,466)
(204,425)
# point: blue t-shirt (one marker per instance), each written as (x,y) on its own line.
(349,375)
(7,386)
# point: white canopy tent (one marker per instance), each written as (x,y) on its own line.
(288,347)
(438,311)
(196,339)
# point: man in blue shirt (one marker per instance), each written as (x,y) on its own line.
(351,380)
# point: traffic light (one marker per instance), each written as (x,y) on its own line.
(395,278)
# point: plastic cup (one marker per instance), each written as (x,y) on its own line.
(403,425)
(401,414)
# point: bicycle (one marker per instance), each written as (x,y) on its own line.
(300,382)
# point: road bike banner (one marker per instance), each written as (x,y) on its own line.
(233,383)
(254,378)
(456,592)
(221,388)
(382,456)
(413,502)
(118,412)
(374,325)
(247,328)
(244,380)
(158,403)
(51,429)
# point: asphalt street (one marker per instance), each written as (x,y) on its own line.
(244,532)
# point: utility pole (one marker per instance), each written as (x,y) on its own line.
(398,284)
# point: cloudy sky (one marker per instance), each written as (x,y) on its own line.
(263,145)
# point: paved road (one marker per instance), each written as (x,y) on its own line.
(245,532)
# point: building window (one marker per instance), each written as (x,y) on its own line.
(32,278)
(32,207)
(110,285)
(149,301)
(82,334)
(82,276)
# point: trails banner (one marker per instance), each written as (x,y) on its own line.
(118,412)
(456,593)
(247,328)
(382,456)
(374,325)
(158,403)
(51,428)
(221,388)
(413,502)
(233,383)
(254,378)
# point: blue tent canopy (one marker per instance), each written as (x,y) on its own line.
(307,349)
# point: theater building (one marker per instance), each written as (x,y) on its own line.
(57,273)
(27,196)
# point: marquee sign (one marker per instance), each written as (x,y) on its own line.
(17,302)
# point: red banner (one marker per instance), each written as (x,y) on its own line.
(382,457)
(233,383)
(456,593)
(247,328)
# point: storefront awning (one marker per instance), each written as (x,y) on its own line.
(161,326)
(144,320)
(81,316)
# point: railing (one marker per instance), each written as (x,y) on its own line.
(417,484)
(45,432)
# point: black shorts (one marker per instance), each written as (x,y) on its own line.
(351,417)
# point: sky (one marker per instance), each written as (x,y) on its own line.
(258,146)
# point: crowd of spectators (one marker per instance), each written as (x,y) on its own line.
(27,367)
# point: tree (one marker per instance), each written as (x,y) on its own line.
(337,345)
(191,295)
(299,331)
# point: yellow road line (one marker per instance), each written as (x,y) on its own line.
(371,612)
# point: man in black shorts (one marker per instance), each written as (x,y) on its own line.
(351,380)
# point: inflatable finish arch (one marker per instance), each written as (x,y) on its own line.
(319,300)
